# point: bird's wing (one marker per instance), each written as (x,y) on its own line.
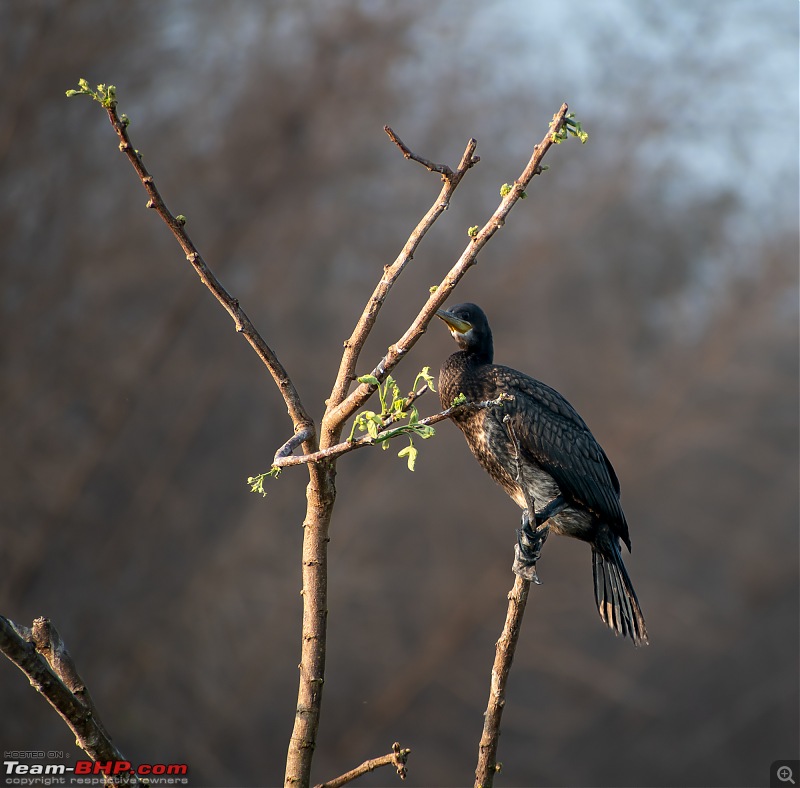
(551,433)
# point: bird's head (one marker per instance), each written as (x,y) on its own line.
(470,329)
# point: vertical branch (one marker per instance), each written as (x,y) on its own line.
(320,497)
(504,655)
(506,645)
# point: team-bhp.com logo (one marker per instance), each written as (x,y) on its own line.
(82,773)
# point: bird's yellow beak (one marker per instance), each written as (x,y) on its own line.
(456,324)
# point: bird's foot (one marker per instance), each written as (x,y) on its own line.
(528,548)
(556,506)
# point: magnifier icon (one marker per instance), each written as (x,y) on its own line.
(785,775)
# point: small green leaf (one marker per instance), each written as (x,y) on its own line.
(505,190)
(425,375)
(410,453)
(473,231)
(373,423)
(461,399)
(371,379)
(433,288)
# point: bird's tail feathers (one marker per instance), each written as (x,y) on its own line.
(613,591)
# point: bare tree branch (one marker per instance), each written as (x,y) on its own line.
(504,655)
(284,461)
(397,756)
(42,656)
(443,169)
(507,644)
(300,418)
(300,437)
(354,345)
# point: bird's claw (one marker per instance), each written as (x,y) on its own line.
(528,548)
(523,568)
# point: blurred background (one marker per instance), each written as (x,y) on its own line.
(651,277)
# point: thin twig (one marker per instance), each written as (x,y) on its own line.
(443,169)
(398,757)
(367,440)
(41,655)
(303,434)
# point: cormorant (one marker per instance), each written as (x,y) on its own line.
(537,448)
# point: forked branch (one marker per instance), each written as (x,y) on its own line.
(443,169)
(337,414)
(354,345)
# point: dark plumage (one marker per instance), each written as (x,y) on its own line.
(560,463)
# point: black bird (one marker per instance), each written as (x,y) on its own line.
(542,452)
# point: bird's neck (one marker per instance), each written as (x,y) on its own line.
(478,356)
